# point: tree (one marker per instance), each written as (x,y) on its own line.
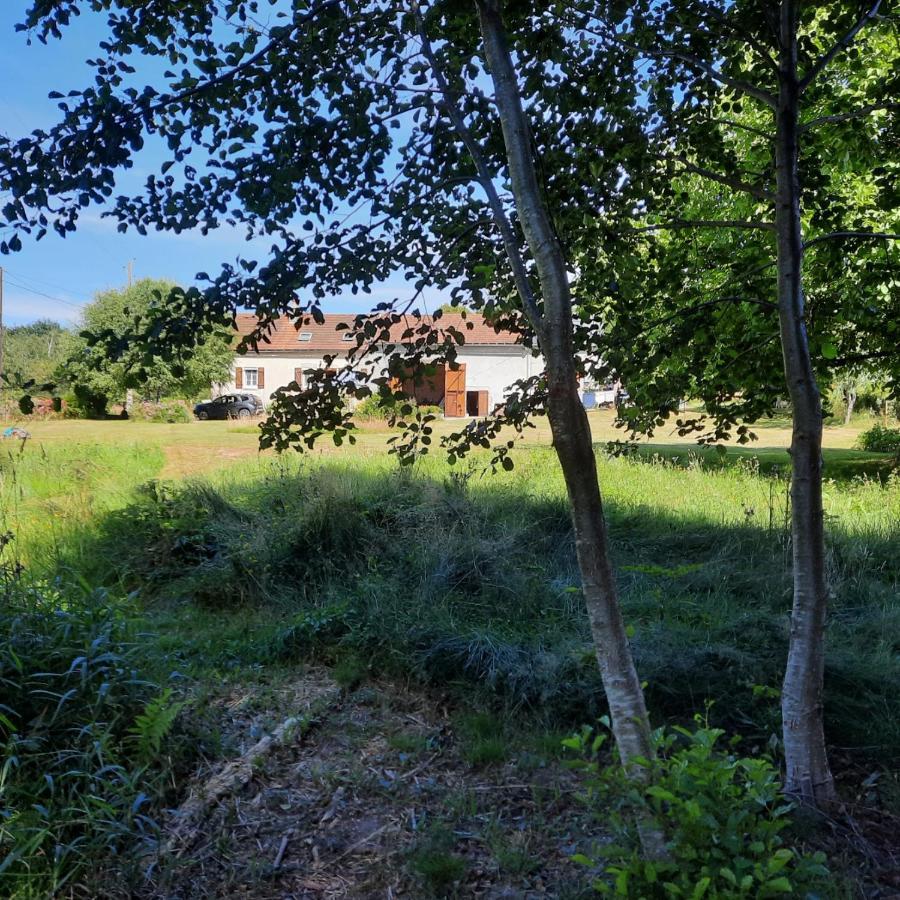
(776,139)
(287,130)
(112,314)
(33,352)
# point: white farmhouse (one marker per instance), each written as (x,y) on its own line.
(489,361)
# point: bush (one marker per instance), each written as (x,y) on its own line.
(723,817)
(169,412)
(79,726)
(86,403)
(373,409)
(879,439)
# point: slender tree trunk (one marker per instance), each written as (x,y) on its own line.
(808,776)
(850,398)
(568,419)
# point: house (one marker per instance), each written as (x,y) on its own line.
(489,362)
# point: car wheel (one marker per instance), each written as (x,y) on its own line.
(202,416)
(243,413)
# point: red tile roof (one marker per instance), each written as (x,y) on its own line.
(327,337)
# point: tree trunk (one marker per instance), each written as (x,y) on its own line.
(808,776)
(568,419)
(850,399)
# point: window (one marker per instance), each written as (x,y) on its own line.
(251,379)
(305,336)
(348,336)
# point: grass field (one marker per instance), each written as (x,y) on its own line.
(202,446)
(458,584)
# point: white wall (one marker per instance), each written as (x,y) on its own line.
(495,368)
(488,368)
(279,369)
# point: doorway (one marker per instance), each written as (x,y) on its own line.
(477,403)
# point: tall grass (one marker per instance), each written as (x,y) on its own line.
(470,580)
(50,496)
(466,580)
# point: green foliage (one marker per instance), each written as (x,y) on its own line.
(101,371)
(483,739)
(74,786)
(881,439)
(167,412)
(154,723)
(372,408)
(435,862)
(691,311)
(471,583)
(87,403)
(722,815)
(51,497)
(35,351)
(348,671)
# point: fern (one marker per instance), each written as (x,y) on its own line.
(154,723)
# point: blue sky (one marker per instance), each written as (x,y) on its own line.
(55,277)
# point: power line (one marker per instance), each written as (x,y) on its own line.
(42,281)
(25,287)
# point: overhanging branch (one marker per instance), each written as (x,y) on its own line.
(841,45)
(852,235)
(851,114)
(706,223)
(760,193)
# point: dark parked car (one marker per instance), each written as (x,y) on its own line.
(230,406)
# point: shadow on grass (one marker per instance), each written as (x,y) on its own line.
(839,464)
(470,584)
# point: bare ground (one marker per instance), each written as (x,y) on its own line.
(368,794)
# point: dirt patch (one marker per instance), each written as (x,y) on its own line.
(369,794)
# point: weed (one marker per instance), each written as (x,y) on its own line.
(484,739)
(722,815)
(513,852)
(79,725)
(408,742)
(433,859)
(349,671)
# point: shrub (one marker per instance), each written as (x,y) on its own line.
(86,403)
(723,817)
(78,726)
(372,408)
(880,439)
(168,412)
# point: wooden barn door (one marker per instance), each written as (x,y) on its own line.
(455,392)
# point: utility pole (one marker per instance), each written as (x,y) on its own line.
(1,326)
(130,271)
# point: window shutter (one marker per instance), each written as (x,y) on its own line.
(298,377)
(260,377)
(238,378)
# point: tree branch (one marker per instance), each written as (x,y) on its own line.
(842,44)
(749,128)
(852,114)
(745,87)
(854,358)
(707,223)
(501,220)
(698,307)
(859,235)
(759,193)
